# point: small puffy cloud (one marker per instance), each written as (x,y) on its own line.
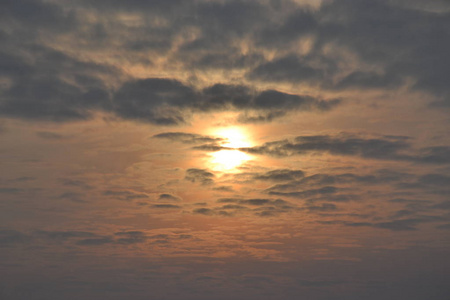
(280,175)
(325,207)
(199,175)
(166,206)
(257,206)
(168,197)
(124,195)
(130,237)
(203,211)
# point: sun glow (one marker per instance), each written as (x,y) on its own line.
(234,137)
(226,160)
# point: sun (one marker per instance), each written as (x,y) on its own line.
(229,159)
(234,137)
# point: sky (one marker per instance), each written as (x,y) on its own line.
(224,149)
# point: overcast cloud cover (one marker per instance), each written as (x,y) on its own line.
(112,183)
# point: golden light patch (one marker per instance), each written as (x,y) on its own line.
(235,137)
(227,160)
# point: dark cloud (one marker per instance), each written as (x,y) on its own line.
(124,195)
(322,208)
(320,283)
(210,147)
(253,202)
(443,205)
(38,14)
(10,237)
(306,193)
(234,206)
(130,237)
(187,138)
(160,101)
(199,175)
(287,69)
(10,190)
(50,135)
(63,235)
(300,23)
(73,196)
(373,31)
(408,201)
(23,179)
(445,226)
(415,34)
(224,188)
(259,207)
(168,197)
(435,180)
(281,175)
(76,183)
(403,44)
(239,206)
(153,100)
(382,176)
(435,155)
(203,211)
(394,225)
(389,148)
(95,241)
(260,117)
(46,84)
(166,206)
(221,95)
(434,183)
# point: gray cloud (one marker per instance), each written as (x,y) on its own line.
(54,85)
(445,226)
(130,237)
(238,206)
(435,180)
(388,148)
(7,190)
(124,195)
(38,14)
(187,138)
(375,31)
(281,175)
(154,100)
(166,206)
(95,241)
(50,135)
(382,176)
(204,211)
(168,197)
(287,69)
(260,117)
(409,224)
(164,101)
(75,183)
(11,237)
(63,235)
(324,207)
(199,175)
(73,196)
(306,193)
